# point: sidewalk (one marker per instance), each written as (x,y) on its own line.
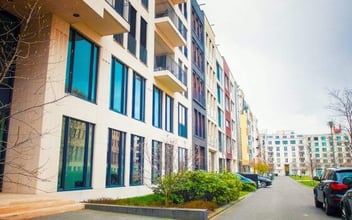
(88,214)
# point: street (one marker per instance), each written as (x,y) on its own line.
(285,199)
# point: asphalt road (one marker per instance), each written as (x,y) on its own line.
(284,200)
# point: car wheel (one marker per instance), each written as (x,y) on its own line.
(317,203)
(327,208)
(263,184)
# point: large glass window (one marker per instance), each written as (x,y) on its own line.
(156,160)
(138,101)
(76,153)
(198,157)
(157,107)
(82,67)
(169,114)
(182,159)
(137,164)
(115,158)
(119,78)
(143,41)
(169,158)
(182,121)
(131,42)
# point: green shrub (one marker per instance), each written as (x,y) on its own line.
(249,187)
(199,185)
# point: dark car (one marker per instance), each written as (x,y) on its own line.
(264,182)
(245,179)
(346,205)
(332,186)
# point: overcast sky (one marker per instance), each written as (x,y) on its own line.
(285,55)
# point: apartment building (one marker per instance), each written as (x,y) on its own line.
(285,152)
(199,138)
(110,95)
(212,126)
(288,153)
(327,150)
(220,111)
(106,107)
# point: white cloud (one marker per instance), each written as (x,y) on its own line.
(285,55)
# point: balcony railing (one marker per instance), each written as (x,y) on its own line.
(163,10)
(165,62)
(120,6)
(169,73)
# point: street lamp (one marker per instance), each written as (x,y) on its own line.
(331,125)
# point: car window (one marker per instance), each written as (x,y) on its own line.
(343,174)
(325,175)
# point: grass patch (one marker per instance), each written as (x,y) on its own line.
(148,200)
(306,181)
(155,200)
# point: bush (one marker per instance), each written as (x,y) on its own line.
(199,185)
(249,187)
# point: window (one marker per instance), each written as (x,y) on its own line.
(169,114)
(182,121)
(169,158)
(156,160)
(131,44)
(221,141)
(182,159)
(220,118)
(118,38)
(137,164)
(292,142)
(198,157)
(277,142)
(143,41)
(76,154)
(145,3)
(116,158)
(138,102)
(82,67)
(157,107)
(227,103)
(219,95)
(119,78)
(218,72)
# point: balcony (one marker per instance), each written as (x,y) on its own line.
(104,17)
(168,72)
(168,28)
(174,2)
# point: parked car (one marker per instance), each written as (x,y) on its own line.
(346,205)
(245,179)
(253,177)
(332,186)
(264,182)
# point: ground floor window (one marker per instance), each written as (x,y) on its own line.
(182,159)
(169,158)
(199,157)
(115,158)
(156,160)
(137,164)
(76,153)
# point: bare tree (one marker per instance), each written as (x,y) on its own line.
(341,106)
(24,39)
